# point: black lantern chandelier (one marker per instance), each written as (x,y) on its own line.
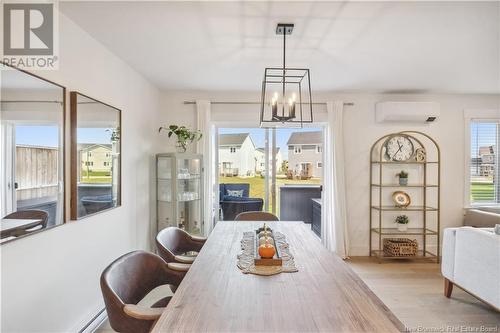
(286,99)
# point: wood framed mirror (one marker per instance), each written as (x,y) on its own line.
(95,156)
(32,144)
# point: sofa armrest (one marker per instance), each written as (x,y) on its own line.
(477,263)
(448,255)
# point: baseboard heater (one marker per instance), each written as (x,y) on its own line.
(95,322)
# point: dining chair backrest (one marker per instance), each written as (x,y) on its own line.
(173,241)
(256,216)
(126,281)
(32,214)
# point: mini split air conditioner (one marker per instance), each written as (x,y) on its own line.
(407,112)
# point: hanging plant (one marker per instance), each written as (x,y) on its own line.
(184,136)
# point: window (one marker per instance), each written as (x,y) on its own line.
(232,150)
(319,165)
(319,150)
(484,162)
(297,150)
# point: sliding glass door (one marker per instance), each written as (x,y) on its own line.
(255,166)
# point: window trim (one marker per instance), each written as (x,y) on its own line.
(470,115)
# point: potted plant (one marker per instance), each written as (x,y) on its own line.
(403,178)
(402,222)
(184,135)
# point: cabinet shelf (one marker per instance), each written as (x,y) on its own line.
(410,231)
(170,201)
(403,186)
(403,162)
(421,255)
(189,178)
(407,209)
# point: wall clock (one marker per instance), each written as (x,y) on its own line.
(401,199)
(399,148)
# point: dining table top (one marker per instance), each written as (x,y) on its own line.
(7,226)
(325,295)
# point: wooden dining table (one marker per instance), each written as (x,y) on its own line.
(11,226)
(325,295)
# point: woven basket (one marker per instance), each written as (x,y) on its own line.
(400,247)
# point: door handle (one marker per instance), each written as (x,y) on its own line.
(16,185)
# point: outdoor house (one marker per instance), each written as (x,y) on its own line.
(236,155)
(95,157)
(305,155)
(260,155)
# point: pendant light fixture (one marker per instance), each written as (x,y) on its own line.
(286,99)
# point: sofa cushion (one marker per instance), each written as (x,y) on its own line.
(480,218)
(231,198)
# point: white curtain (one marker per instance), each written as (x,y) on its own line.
(334,221)
(206,147)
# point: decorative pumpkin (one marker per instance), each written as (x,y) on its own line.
(264,234)
(266,250)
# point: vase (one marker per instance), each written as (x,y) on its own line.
(181,147)
(402,227)
(403,181)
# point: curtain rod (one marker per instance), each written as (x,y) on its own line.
(31,102)
(258,103)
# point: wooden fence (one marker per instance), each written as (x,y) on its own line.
(36,172)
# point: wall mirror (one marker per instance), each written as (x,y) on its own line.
(95,156)
(32,153)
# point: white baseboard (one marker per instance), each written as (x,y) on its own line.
(95,322)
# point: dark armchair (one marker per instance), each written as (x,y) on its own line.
(125,285)
(232,205)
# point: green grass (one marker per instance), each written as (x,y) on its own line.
(257,188)
(482,191)
(95,180)
(96,173)
(95,177)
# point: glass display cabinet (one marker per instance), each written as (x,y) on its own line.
(179,192)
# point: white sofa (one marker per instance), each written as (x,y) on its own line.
(471,260)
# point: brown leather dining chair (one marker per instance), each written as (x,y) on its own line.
(256,216)
(32,214)
(129,285)
(174,246)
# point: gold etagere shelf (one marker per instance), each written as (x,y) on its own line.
(428,229)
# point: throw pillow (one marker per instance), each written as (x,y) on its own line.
(231,198)
(235,193)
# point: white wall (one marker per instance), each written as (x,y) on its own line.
(360,131)
(50,281)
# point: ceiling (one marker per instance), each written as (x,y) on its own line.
(354,46)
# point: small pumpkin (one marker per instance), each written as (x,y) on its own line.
(264,234)
(264,239)
(267,250)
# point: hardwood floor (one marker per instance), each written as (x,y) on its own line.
(414,293)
